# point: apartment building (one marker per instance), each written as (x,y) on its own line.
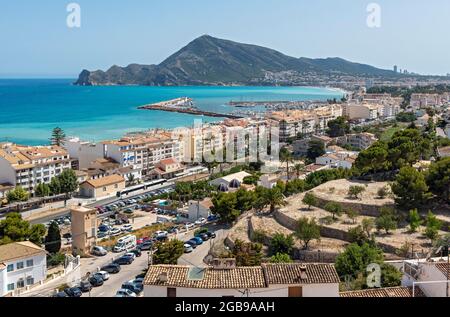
(28,166)
(293,122)
(300,147)
(363,111)
(224,279)
(427,100)
(359,141)
(22,265)
(84,152)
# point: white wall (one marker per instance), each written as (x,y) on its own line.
(38,271)
(85,152)
(309,290)
(7,173)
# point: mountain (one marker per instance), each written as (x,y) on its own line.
(212,61)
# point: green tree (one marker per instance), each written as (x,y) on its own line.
(14,229)
(169,252)
(368,225)
(18,194)
(286,157)
(387,220)
(338,127)
(438,179)
(55,186)
(390,276)
(356,258)
(224,205)
(374,159)
(68,181)
(334,208)
(58,137)
(307,231)
(352,214)
(245,199)
(280,258)
(433,225)
(355,190)
(42,190)
(383,192)
(315,149)
(414,220)
(281,243)
(310,200)
(247,253)
(299,168)
(410,188)
(358,235)
(53,238)
(294,187)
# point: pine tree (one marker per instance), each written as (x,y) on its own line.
(53,238)
(58,137)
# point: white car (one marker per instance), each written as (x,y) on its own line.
(188,248)
(127,228)
(200,221)
(161,234)
(115,232)
(104,275)
(189,225)
(125,293)
(131,255)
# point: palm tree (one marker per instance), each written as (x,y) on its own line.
(58,137)
(274,198)
(131,179)
(286,157)
(299,168)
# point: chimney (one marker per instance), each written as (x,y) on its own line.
(162,277)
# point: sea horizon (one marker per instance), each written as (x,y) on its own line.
(31,107)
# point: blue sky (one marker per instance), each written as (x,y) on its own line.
(35,41)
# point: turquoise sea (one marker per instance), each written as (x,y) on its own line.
(31,108)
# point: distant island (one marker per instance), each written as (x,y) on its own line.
(215,62)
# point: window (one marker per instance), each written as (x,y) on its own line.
(10,287)
(30,263)
(171,292)
(116,186)
(10,268)
(19,265)
(30,280)
(20,283)
(104,189)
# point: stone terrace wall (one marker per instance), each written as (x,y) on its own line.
(363,209)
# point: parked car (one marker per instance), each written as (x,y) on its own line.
(73,292)
(112,268)
(212,218)
(115,232)
(125,293)
(197,240)
(85,286)
(96,281)
(136,252)
(203,236)
(101,235)
(188,248)
(135,288)
(123,260)
(189,225)
(127,228)
(173,230)
(130,255)
(192,243)
(129,211)
(104,228)
(146,246)
(211,235)
(99,251)
(61,294)
(200,221)
(103,274)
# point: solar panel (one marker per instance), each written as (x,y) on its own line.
(196,274)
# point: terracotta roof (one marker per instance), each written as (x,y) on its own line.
(301,274)
(443,266)
(244,277)
(17,250)
(384,292)
(105,181)
(169,161)
(177,276)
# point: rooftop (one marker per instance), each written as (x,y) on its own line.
(105,181)
(242,277)
(385,292)
(17,250)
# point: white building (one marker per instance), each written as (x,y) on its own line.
(200,209)
(28,166)
(22,265)
(230,181)
(84,152)
(430,276)
(224,279)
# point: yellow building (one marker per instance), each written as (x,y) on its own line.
(84,229)
(102,187)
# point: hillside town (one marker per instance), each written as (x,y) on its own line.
(348,198)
